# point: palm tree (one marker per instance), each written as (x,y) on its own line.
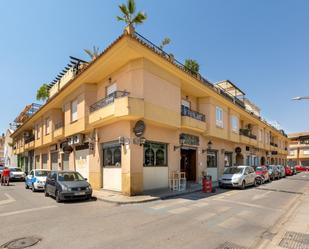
(93,54)
(164,42)
(192,65)
(42,93)
(129,16)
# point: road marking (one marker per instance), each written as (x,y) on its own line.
(179,210)
(250,205)
(26,211)
(165,204)
(260,196)
(8,200)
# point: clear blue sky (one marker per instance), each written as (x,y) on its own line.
(262,46)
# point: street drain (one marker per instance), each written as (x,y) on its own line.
(293,240)
(229,245)
(21,243)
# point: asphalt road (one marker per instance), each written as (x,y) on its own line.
(241,217)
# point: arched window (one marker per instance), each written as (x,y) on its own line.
(111,154)
(155,154)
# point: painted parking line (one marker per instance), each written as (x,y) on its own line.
(166,204)
(26,211)
(9,199)
(249,205)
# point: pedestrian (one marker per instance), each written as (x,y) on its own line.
(5,178)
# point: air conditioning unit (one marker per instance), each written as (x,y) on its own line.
(78,139)
(70,141)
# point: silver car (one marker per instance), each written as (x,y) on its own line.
(238,176)
(281,170)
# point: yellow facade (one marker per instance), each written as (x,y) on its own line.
(299,149)
(148,87)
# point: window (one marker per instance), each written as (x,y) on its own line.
(234,124)
(111,89)
(212,161)
(292,152)
(155,154)
(306,151)
(47,126)
(112,154)
(219,117)
(228,159)
(37,131)
(74,110)
(260,135)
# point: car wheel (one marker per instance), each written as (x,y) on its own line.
(33,188)
(243,185)
(45,193)
(57,197)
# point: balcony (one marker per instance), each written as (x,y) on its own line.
(192,119)
(119,104)
(247,137)
(59,130)
(29,142)
(108,100)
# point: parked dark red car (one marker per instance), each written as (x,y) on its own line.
(288,170)
(263,172)
(301,168)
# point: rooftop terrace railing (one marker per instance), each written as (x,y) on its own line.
(185,111)
(107,100)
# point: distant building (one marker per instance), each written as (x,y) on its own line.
(9,158)
(299,149)
(2,149)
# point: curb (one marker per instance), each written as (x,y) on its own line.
(147,200)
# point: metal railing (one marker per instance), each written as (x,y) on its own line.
(58,125)
(108,100)
(247,133)
(273,144)
(185,111)
(29,139)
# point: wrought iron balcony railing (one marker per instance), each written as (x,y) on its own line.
(58,125)
(108,100)
(247,133)
(185,111)
(29,139)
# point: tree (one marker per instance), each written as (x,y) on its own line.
(42,93)
(129,16)
(164,42)
(94,53)
(192,65)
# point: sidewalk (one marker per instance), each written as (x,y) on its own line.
(293,230)
(159,194)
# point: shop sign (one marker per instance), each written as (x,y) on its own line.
(139,128)
(190,139)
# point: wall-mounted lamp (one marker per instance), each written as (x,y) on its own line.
(209,145)
(123,141)
(181,142)
(139,140)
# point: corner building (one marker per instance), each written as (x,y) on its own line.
(131,117)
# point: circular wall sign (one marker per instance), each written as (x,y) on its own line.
(238,150)
(139,128)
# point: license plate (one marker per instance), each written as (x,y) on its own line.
(80,193)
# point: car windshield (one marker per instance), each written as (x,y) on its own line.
(258,169)
(41,173)
(233,170)
(15,169)
(1,167)
(69,177)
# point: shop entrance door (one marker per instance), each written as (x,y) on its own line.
(188,163)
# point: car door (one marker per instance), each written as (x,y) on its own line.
(247,176)
(29,178)
(52,184)
(252,175)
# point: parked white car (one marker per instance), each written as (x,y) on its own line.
(36,179)
(238,176)
(17,174)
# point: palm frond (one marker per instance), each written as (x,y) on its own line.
(131,6)
(124,9)
(139,18)
(87,51)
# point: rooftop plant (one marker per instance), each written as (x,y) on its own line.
(42,93)
(94,53)
(164,42)
(192,65)
(129,15)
